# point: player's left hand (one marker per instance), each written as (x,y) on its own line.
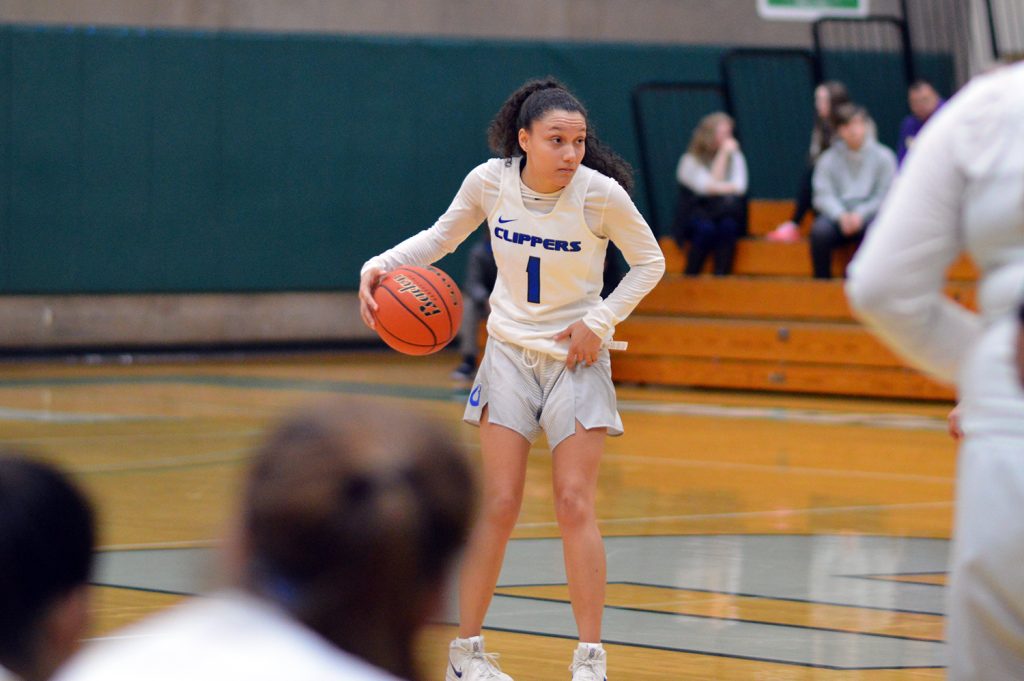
(584,344)
(953,424)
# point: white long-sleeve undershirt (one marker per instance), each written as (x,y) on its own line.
(961,187)
(608,212)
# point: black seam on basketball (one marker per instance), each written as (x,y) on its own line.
(451,332)
(398,338)
(411,349)
(414,314)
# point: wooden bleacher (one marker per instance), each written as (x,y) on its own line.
(769,326)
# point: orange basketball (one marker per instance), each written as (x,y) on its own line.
(419,309)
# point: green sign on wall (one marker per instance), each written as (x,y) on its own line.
(809,10)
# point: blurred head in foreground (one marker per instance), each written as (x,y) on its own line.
(351,517)
(46,549)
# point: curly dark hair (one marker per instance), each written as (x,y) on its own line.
(532,101)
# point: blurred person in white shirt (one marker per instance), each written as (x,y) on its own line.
(350,520)
(963,189)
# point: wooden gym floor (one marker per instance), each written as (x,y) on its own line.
(749,535)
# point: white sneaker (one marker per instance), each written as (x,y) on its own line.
(589,664)
(467,661)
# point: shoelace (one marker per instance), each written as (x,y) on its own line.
(489,662)
(589,664)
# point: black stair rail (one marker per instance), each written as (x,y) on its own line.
(769,92)
(640,127)
(906,51)
(733,55)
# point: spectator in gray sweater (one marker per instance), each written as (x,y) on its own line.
(850,181)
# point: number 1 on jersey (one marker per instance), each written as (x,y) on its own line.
(533,280)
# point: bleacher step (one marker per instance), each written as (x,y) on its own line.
(761,257)
(863,381)
(743,339)
(762,297)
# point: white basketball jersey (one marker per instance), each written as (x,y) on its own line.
(550,267)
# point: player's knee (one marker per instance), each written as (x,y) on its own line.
(502,509)
(573,508)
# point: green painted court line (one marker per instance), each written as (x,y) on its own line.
(249,382)
(62,417)
(184,461)
(438,394)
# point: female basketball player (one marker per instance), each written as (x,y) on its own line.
(350,519)
(552,201)
(963,186)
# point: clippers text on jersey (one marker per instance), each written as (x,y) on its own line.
(534,241)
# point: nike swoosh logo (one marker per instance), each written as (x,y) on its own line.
(502,221)
(474,400)
(459,674)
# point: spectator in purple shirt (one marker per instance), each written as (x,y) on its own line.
(924,102)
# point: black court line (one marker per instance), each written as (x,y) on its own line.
(728,619)
(788,598)
(743,594)
(704,653)
(144,589)
(606,640)
(726,535)
(891,578)
(901,574)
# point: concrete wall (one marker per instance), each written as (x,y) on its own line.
(76,321)
(695,22)
(126,321)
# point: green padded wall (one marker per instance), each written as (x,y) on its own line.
(170,161)
(158,161)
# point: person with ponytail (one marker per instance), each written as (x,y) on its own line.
(553,198)
(350,519)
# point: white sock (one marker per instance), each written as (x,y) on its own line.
(469,641)
(591,646)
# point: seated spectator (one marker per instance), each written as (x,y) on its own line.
(350,518)
(828,97)
(712,176)
(481,273)
(850,181)
(924,102)
(46,551)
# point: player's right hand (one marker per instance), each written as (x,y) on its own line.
(367,305)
